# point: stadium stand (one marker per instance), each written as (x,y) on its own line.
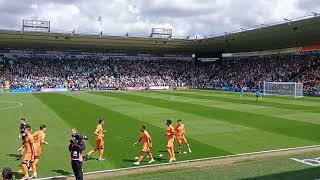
(37,73)
(1,74)
(250,72)
(311,79)
(120,73)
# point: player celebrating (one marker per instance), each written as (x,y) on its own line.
(146,145)
(99,132)
(180,135)
(170,138)
(39,140)
(29,152)
(22,135)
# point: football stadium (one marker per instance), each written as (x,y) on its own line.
(242,104)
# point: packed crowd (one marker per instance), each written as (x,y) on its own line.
(311,78)
(153,73)
(120,73)
(252,71)
(1,74)
(37,73)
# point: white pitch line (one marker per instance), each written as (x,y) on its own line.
(19,104)
(188,161)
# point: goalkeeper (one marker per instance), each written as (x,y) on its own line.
(258,95)
(241,91)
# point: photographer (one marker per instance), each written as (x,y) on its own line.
(76,147)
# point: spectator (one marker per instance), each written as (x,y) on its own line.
(122,72)
(250,72)
(7,173)
(37,73)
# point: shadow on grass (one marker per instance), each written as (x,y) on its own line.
(128,160)
(311,173)
(165,151)
(17,175)
(89,159)
(144,160)
(62,172)
(15,156)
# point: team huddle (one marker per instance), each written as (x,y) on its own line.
(31,149)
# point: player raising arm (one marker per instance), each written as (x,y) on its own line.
(39,140)
(180,135)
(99,132)
(146,145)
(170,139)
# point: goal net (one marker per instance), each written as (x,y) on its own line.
(283,88)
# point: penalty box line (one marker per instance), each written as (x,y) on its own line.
(18,105)
(188,161)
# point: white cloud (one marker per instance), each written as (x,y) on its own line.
(186,17)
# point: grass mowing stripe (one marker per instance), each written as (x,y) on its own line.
(155,115)
(308,116)
(114,104)
(268,168)
(75,114)
(251,96)
(54,156)
(122,130)
(197,127)
(205,130)
(283,97)
(286,127)
(244,101)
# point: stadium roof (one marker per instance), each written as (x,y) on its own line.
(291,34)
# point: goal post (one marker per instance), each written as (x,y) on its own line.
(283,88)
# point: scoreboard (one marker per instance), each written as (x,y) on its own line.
(212,57)
(35,25)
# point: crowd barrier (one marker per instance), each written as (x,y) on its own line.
(137,88)
(21,90)
(158,87)
(54,89)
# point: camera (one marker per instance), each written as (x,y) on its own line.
(78,139)
(83,138)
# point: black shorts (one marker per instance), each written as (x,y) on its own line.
(23,138)
(257,96)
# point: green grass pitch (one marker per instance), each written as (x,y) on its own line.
(217,123)
(274,168)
